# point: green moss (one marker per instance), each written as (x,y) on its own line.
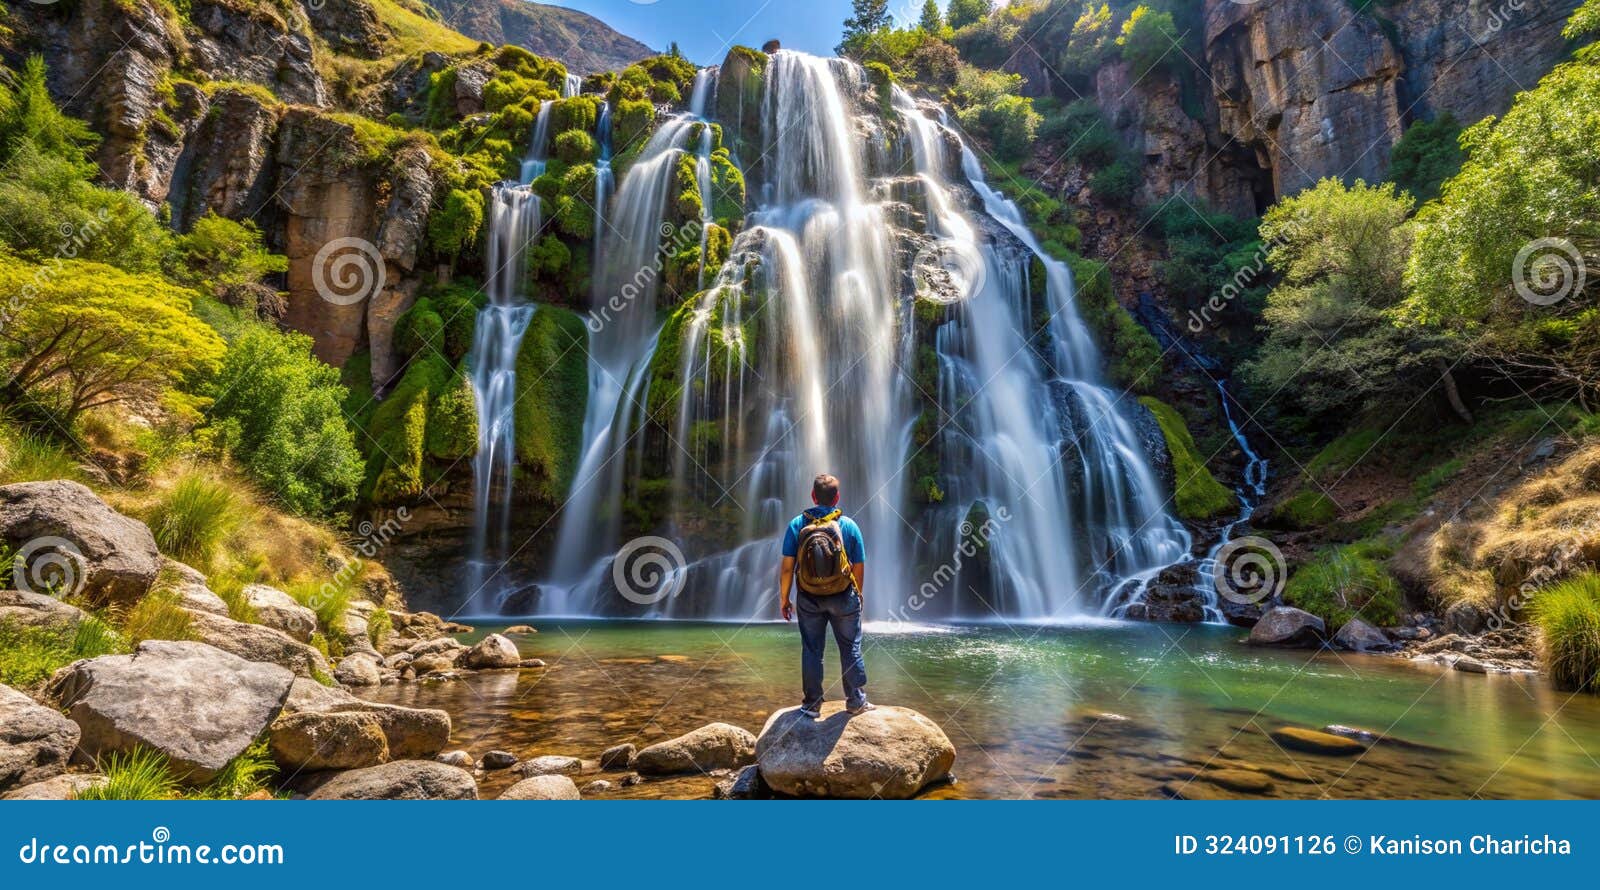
(740,88)
(398,429)
(1343,453)
(1568,615)
(632,120)
(727,190)
(1347,582)
(1307,509)
(452,432)
(420,329)
(576,147)
(580,113)
(1198,493)
(1133,359)
(552,385)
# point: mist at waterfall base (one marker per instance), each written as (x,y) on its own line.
(802,355)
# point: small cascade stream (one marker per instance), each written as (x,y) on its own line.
(515,215)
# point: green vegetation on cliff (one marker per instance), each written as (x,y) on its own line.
(552,389)
(1198,495)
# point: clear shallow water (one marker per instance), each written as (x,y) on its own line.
(1100,710)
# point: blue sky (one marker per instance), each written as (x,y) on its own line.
(705,28)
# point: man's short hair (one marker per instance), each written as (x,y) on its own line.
(825,489)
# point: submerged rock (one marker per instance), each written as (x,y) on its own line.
(35,742)
(1359,636)
(400,780)
(543,788)
(887,752)
(746,784)
(498,760)
(713,746)
(455,758)
(617,756)
(198,705)
(1288,626)
(64,534)
(1313,741)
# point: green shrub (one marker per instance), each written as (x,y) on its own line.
(329,599)
(29,655)
(380,624)
(140,774)
(1307,509)
(244,775)
(1347,582)
(193,517)
(1198,493)
(1568,615)
(576,147)
(453,423)
(1428,154)
(159,616)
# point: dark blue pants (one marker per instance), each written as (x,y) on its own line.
(843,612)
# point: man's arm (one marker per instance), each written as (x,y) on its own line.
(785,579)
(858,571)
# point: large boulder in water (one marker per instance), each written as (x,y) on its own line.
(713,746)
(493,651)
(543,788)
(886,753)
(35,741)
(67,537)
(1358,636)
(1288,626)
(198,705)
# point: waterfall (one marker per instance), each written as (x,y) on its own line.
(514,219)
(953,390)
(572,86)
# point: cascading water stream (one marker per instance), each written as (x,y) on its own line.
(572,86)
(1251,489)
(514,218)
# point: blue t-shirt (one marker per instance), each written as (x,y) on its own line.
(854,548)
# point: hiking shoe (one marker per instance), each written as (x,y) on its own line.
(814,713)
(862,708)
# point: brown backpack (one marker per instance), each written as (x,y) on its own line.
(822,567)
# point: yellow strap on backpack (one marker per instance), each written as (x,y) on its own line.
(844,558)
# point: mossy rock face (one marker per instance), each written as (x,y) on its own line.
(399,430)
(1198,494)
(552,392)
(1306,509)
(740,86)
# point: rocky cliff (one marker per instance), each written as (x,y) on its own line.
(584,43)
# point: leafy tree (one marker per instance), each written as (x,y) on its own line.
(278,411)
(1427,155)
(1148,39)
(1091,42)
(78,335)
(28,117)
(987,102)
(53,212)
(1332,343)
(1509,255)
(932,20)
(867,17)
(962,13)
(221,256)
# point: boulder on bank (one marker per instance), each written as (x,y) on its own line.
(36,742)
(411,733)
(617,756)
(358,670)
(193,592)
(1289,627)
(1358,636)
(64,787)
(492,652)
(400,780)
(887,752)
(550,765)
(198,705)
(310,741)
(543,788)
(713,746)
(254,642)
(19,608)
(105,556)
(280,611)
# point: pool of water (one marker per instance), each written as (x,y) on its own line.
(1107,710)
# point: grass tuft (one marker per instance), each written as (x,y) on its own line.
(140,774)
(29,655)
(159,616)
(1568,615)
(195,516)
(1347,582)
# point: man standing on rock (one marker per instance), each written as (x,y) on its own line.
(824,556)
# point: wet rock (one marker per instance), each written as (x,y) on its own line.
(498,760)
(1313,741)
(358,670)
(629,780)
(1464,618)
(713,746)
(746,784)
(255,642)
(58,788)
(617,756)
(598,786)
(1468,664)
(65,535)
(198,705)
(491,652)
(21,609)
(1171,603)
(312,741)
(1242,780)
(550,765)
(455,758)
(547,787)
(1351,732)
(434,662)
(1289,627)
(888,752)
(411,733)
(1358,636)
(400,780)
(531,663)
(439,645)
(35,742)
